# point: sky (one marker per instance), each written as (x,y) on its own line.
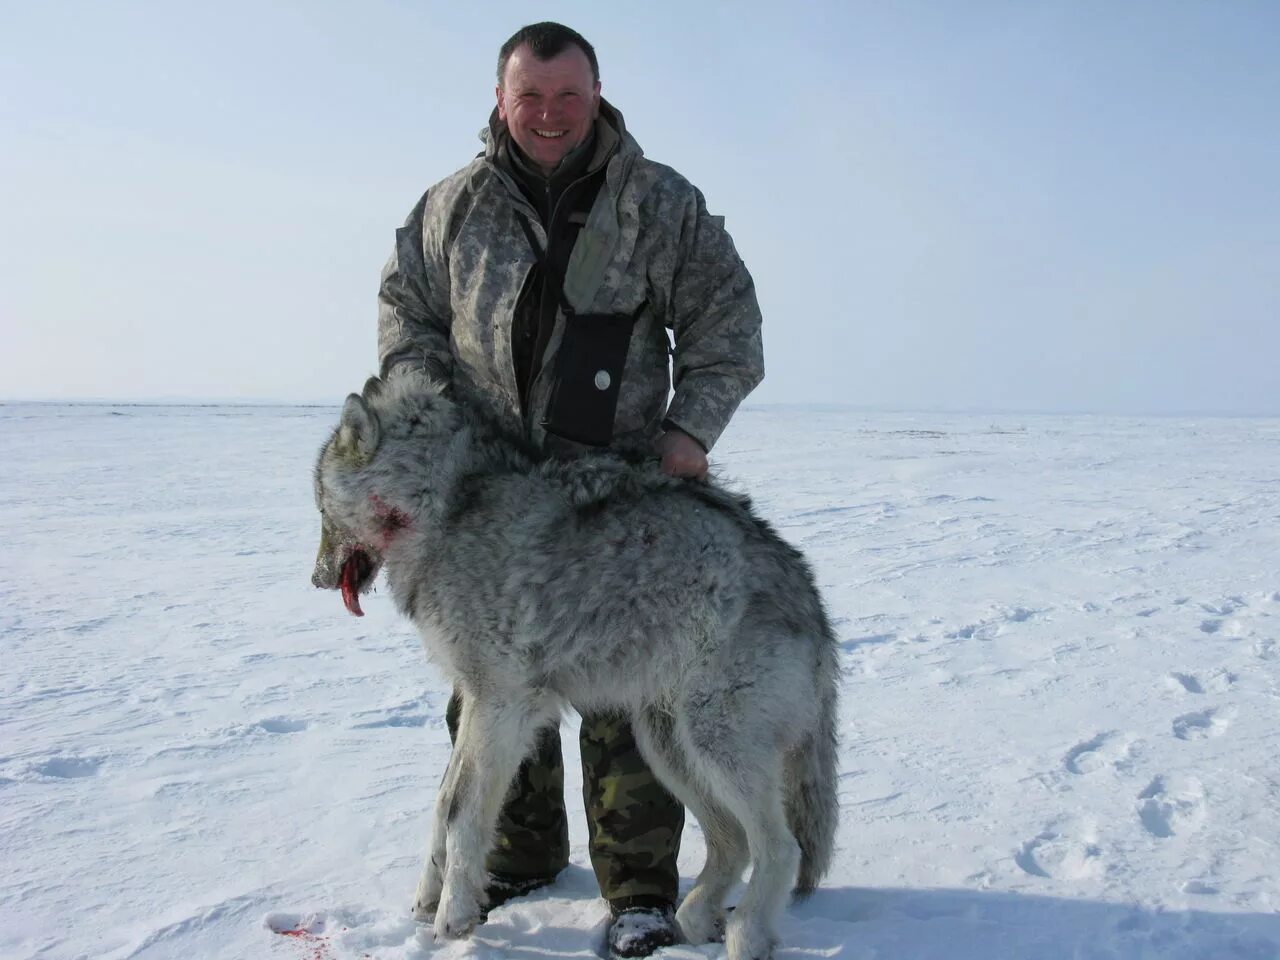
(1022,206)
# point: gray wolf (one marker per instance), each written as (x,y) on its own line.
(600,584)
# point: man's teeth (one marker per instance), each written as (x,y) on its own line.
(550,134)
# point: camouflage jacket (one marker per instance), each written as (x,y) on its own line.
(649,252)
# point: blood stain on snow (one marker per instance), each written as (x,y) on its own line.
(316,945)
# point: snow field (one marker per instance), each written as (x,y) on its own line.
(1061,645)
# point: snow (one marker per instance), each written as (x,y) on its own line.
(1061,646)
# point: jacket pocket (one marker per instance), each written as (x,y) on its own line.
(588,376)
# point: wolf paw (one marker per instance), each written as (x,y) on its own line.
(456,917)
(425,912)
(426,901)
(748,941)
(700,924)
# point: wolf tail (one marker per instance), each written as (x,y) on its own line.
(812,809)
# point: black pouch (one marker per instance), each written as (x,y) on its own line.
(587,377)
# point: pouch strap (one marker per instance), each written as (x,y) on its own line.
(540,255)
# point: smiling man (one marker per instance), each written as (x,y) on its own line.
(539,283)
(549,106)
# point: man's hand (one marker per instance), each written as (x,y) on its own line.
(682,456)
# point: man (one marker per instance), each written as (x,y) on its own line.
(539,283)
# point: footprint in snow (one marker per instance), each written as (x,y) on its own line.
(394,720)
(1199,887)
(1166,809)
(1218,681)
(282,725)
(1202,724)
(1228,628)
(1054,856)
(416,712)
(873,639)
(1105,750)
(990,629)
(1186,682)
(1224,607)
(66,768)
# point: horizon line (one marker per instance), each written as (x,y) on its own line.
(209,402)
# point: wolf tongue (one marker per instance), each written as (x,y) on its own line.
(350,595)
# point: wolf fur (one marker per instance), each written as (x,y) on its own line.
(600,584)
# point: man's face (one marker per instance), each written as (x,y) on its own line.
(548,105)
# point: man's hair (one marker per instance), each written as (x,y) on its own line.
(547,40)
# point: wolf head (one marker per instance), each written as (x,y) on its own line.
(361,515)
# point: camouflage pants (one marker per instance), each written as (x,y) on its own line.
(633,823)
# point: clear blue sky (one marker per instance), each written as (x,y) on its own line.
(1008,205)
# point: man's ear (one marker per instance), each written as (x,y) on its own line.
(359,431)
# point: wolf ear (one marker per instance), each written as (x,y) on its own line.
(372,389)
(359,431)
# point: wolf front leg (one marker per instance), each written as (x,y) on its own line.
(493,738)
(427,898)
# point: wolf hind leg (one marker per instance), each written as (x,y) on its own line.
(701,914)
(745,778)
(493,739)
(775,856)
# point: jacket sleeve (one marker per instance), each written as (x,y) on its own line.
(719,357)
(413,305)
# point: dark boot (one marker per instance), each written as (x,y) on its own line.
(502,888)
(640,925)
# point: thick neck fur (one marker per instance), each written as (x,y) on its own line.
(440,447)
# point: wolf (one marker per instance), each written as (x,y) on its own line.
(596,583)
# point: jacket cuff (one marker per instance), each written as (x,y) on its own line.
(668,424)
(413,358)
(700,414)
